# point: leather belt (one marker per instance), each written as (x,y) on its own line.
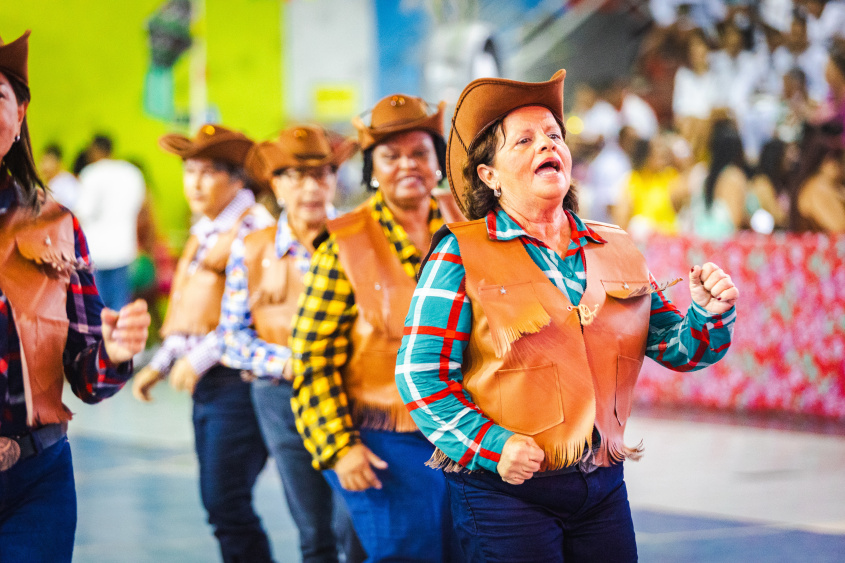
(18,448)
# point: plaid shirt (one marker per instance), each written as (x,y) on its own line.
(321,339)
(204,351)
(92,376)
(436,336)
(242,347)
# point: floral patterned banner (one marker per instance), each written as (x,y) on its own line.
(788,350)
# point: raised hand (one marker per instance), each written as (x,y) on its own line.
(125,331)
(712,289)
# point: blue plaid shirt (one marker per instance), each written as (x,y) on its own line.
(243,349)
(437,334)
(92,376)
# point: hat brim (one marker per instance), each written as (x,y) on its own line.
(13,59)
(369,136)
(227,147)
(267,157)
(482,103)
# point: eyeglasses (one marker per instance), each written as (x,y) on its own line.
(298,175)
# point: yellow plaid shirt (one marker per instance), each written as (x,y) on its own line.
(321,339)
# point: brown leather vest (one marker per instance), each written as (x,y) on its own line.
(195,297)
(274,286)
(37,295)
(532,367)
(383,293)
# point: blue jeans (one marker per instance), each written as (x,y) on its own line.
(308,494)
(113,286)
(38,508)
(408,518)
(573,517)
(231,454)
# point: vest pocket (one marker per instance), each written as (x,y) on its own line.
(627,371)
(530,399)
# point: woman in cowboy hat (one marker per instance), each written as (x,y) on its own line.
(347,331)
(229,447)
(526,334)
(52,326)
(263,283)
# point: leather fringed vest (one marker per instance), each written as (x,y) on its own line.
(274,286)
(195,296)
(532,367)
(383,293)
(37,295)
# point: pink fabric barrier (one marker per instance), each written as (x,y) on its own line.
(788,350)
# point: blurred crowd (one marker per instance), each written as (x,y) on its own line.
(731,119)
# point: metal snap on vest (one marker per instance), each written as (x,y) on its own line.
(47,241)
(624,285)
(503,290)
(378,287)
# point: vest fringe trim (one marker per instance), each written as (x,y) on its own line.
(52,257)
(529,321)
(376,416)
(616,451)
(440,460)
(564,455)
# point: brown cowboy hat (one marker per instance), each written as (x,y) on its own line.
(300,146)
(484,101)
(396,114)
(13,58)
(211,141)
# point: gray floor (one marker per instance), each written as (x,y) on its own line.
(706,490)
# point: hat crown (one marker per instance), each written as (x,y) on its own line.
(14,58)
(398,109)
(305,142)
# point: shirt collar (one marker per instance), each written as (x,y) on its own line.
(227,218)
(501,226)
(386,218)
(284,234)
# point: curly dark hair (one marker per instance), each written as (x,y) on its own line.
(19,163)
(367,170)
(479,198)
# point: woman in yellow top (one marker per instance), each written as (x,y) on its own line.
(347,331)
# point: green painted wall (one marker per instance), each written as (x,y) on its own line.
(87,65)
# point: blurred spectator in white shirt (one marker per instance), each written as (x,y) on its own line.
(111,195)
(62,184)
(799,52)
(825,20)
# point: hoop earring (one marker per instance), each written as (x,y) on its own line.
(438,174)
(374,183)
(497,191)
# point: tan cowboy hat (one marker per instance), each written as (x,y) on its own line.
(300,146)
(211,141)
(396,114)
(13,58)
(483,102)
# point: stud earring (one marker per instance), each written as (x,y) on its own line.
(17,137)
(374,183)
(280,202)
(438,174)
(497,191)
